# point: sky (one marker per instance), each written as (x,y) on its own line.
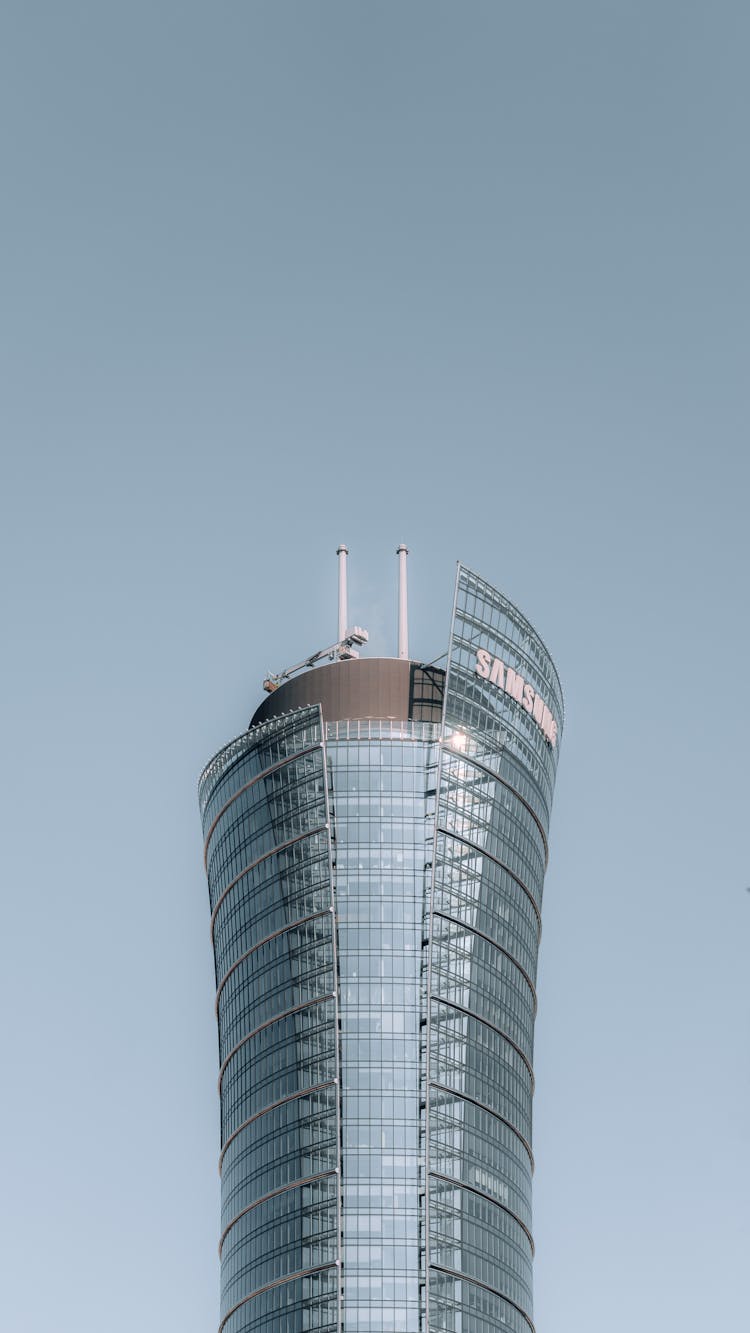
(276,276)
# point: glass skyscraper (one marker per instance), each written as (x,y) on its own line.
(375,846)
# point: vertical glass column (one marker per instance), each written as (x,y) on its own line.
(382,817)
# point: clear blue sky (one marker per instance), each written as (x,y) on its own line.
(274,276)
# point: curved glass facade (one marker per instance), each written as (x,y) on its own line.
(375,890)
(503,715)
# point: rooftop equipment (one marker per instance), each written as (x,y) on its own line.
(343,650)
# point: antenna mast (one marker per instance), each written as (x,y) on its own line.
(342,552)
(403,610)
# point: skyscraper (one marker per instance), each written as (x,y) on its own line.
(375,846)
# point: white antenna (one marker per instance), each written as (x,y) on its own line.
(403,609)
(342,552)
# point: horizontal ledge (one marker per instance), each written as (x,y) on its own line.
(465,1097)
(288,1013)
(272,851)
(272,1194)
(464,1277)
(469,1013)
(470,759)
(301,921)
(272,1106)
(481,851)
(278,1282)
(266,772)
(464,925)
(482,1194)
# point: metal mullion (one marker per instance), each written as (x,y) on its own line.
(337,1042)
(428,998)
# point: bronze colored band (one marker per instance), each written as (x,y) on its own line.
(302,921)
(464,925)
(272,1106)
(480,851)
(464,1097)
(272,768)
(464,1277)
(462,1185)
(272,1194)
(273,851)
(295,1009)
(280,1282)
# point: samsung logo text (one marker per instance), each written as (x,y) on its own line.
(505,678)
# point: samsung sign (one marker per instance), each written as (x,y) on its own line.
(505,678)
